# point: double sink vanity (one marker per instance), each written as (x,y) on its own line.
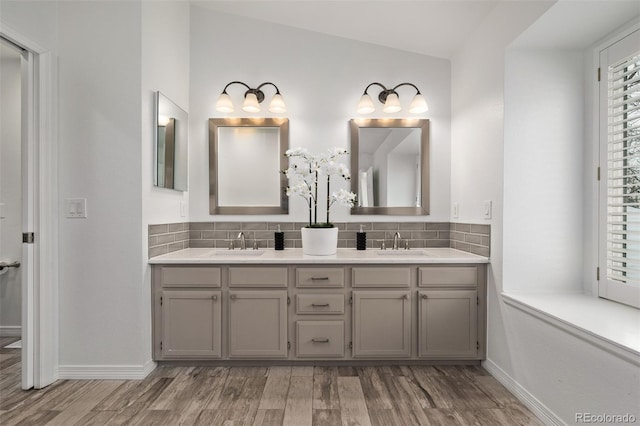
(418,305)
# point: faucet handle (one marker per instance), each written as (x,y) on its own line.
(406,244)
(231,247)
(255,244)
(382,245)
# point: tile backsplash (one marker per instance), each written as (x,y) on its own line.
(166,238)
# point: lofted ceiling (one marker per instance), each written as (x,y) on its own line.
(429,27)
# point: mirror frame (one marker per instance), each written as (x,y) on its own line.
(423,124)
(214,125)
(183,116)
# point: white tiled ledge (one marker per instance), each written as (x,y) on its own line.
(608,325)
(295,256)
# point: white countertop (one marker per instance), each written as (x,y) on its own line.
(295,256)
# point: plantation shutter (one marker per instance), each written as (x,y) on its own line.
(622,178)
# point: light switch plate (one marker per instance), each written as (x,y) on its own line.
(75,208)
(455,210)
(486,209)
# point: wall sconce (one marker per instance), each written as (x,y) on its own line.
(389,98)
(252,99)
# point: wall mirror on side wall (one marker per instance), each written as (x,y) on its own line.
(246,156)
(390,166)
(171,145)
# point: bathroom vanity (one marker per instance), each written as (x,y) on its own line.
(355,306)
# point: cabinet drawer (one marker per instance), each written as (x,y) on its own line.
(450,276)
(381,277)
(320,304)
(258,277)
(320,339)
(190,276)
(319,277)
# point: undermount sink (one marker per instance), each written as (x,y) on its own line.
(236,253)
(401,253)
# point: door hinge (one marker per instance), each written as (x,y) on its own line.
(28,237)
(598,74)
(477,300)
(288,300)
(598,273)
(598,173)
(160,300)
(350,345)
(288,345)
(477,346)
(161,345)
(351,300)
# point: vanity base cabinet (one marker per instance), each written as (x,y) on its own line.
(447,324)
(191,324)
(258,324)
(381,324)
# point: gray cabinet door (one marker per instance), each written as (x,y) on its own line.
(258,324)
(191,326)
(447,324)
(381,324)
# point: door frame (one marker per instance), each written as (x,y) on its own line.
(39,148)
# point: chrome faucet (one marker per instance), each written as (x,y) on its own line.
(243,242)
(396,238)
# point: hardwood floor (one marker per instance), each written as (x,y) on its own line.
(318,396)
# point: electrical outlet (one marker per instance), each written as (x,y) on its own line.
(486,209)
(455,210)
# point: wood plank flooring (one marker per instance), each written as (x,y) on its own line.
(297,396)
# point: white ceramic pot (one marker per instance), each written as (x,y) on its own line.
(319,241)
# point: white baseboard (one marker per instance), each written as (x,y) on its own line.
(547,416)
(10,331)
(105,372)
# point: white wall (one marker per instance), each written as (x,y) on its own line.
(543,168)
(563,373)
(321,79)
(165,68)
(10,192)
(99,159)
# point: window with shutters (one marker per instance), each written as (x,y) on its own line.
(620,171)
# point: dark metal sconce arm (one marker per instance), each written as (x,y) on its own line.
(259,93)
(382,96)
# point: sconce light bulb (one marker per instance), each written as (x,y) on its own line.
(392,104)
(365,106)
(277,105)
(251,103)
(418,105)
(224,103)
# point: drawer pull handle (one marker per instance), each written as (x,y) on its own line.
(319,278)
(424,296)
(320,305)
(325,340)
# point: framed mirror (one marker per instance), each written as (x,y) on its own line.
(390,166)
(246,156)
(171,145)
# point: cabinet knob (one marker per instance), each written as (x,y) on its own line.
(424,296)
(232,297)
(405,296)
(214,297)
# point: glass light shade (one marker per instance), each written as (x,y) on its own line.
(418,105)
(392,104)
(365,106)
(277,104)
(224,103)
(251,103)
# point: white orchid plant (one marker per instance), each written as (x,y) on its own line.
(306,171)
